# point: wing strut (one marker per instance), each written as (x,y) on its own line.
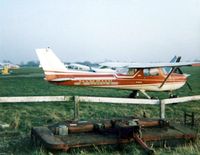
(173,69)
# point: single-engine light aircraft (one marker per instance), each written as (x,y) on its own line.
(139,77)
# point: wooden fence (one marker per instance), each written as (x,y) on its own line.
(78,99)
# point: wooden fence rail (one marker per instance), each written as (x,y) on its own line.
(28,99)
(78,99)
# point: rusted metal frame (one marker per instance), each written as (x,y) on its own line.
(143,144)
(53,142)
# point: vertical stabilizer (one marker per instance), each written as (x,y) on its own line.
(49,61)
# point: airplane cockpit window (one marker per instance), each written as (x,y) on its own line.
(69,67)
(151,72)
(166,70)
(126,71)
(132,71)
(122,71)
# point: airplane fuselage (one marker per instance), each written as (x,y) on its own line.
(136,81)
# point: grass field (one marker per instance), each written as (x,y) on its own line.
(23,116)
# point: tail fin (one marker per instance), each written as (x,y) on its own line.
(49,61)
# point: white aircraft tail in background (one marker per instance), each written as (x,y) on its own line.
(49,61)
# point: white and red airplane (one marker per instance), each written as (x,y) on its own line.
(140,77)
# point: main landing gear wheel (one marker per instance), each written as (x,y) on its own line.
(173,96)
(133,94)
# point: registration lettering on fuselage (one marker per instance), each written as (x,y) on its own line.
(94,82)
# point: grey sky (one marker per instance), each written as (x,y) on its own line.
(96,30)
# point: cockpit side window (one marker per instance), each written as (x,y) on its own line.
(132,71)
(151,72)
(126,71)
(166,70)
(122,71)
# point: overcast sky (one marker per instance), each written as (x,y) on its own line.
(98,30)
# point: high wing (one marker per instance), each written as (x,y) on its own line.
(152,65)
(160,65)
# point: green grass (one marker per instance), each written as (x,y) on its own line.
(23,116)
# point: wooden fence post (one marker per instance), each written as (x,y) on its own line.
(76,108)
(162,109)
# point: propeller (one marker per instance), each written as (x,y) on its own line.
(178,70)
(181,72)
